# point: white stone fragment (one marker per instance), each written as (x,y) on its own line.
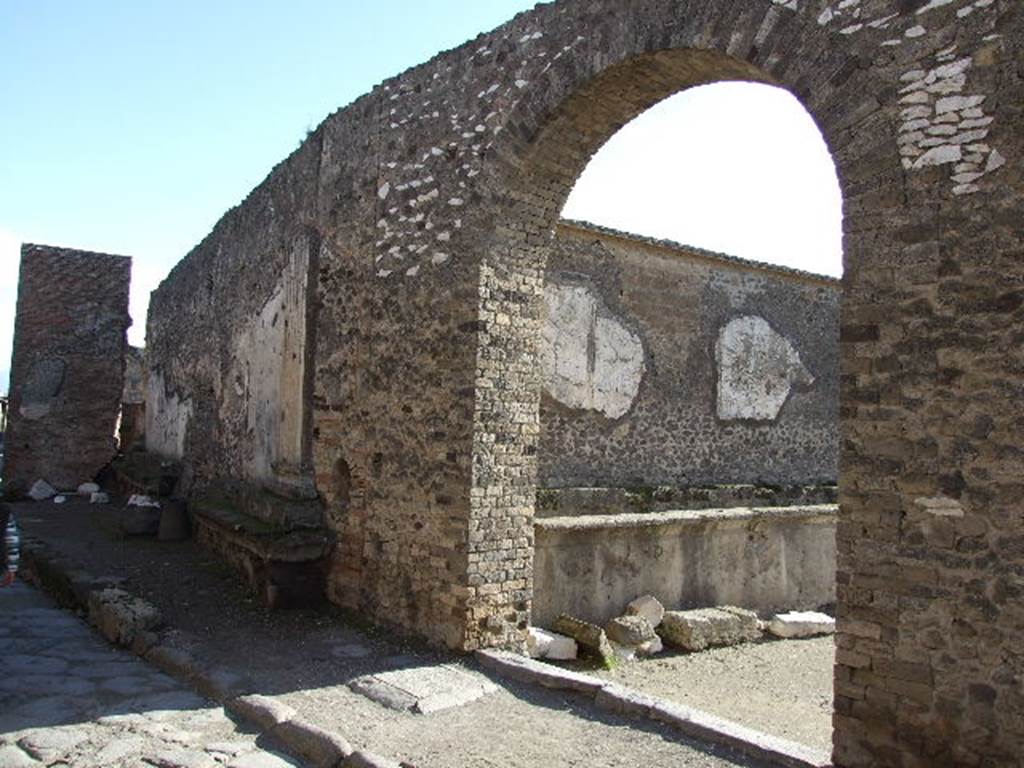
(995,161)
(801,624)
(940,506)
(138,500)
(99,498)
(956,103)
(384,190)
(931,6)
(940,155)
(86,489)
(917,31)
(650,648)
(59,499)
(41,490)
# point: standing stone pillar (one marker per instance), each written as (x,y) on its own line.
(67,366)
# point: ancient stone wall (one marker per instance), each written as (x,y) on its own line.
(764,559)
(131,430)
(671,366)
(434,199)
(67,365)
(228,332)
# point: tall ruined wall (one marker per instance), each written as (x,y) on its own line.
(228,352)
(434,198)
(668,366)
(67,365)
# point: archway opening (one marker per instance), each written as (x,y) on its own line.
(689,351)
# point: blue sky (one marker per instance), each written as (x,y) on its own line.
(132,127)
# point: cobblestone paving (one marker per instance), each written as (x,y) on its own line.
(69,699)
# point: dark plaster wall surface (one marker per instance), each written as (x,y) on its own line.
(676,302)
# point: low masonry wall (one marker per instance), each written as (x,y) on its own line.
(765,559)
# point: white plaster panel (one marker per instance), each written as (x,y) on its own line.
(757,370)
(268,372)
(167,419)
(591,360)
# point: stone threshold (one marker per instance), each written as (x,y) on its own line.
(622,700)
(71,587)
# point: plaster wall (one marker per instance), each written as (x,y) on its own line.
(717,370)
(765,560)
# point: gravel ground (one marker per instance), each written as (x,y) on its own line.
(781,687)
(306,657)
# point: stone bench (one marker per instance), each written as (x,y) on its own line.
(284,562)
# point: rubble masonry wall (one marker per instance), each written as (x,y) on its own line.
(641,326)
(434,199)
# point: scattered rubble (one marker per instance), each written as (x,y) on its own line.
(629,630)
(590,636)
(541,644)
(138,500)
(706,627)
(801,624)
(649,607)
(41,491)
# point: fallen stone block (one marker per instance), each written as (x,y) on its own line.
(174,525)
(649,607)
(652,647)
(590,636)
(708,627)
(120,616)
(140,521)
(541,644)
(629,630)
(801,624)
(87,489)
(41,491)
(99,497)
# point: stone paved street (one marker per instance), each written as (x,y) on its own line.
(69,699)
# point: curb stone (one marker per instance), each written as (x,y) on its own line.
(368,760)
(626,701)
(71,587)
(313,743)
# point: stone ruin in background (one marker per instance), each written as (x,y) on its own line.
(67,369)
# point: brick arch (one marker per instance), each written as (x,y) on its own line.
(434,196)
(893,682)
